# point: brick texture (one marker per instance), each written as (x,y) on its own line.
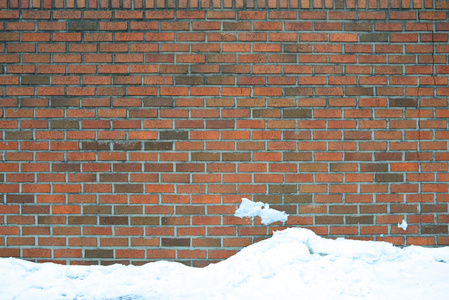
(130,130)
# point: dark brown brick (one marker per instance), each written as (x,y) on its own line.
(207,242)
(388,156)
(359,91)
(359,220)
(113,177)
(220,124)
(175,242)
(174,135)
(2,179)
(97,210)
(389,177)
(298,198)
(328,219)
(283,189)
(100,253)
(95,146)
(64,124)
(82,25)
(114,221)
(236,26)
(35,79)
(236,157)
(297,113)
(190,167)
(82,220)
(189,80)
(18,135)
(145,221)
(356,26)
(403,102)
(374,37)
(13,198)
(157,102)
(65,167)
(289,156)
(128,188)
(205,156)
(298,48)
(127,146)
(434,208)
(65,102)
(373,167)
(36,209)
(434,229)
(268,198)
(51,220)
(190,210)
(157,146)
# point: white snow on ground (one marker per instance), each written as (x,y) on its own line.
(250,209)
(293,264)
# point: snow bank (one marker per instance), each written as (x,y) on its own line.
(293,264)
(250,209)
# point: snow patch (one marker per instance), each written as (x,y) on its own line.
(250,209)
(403,225)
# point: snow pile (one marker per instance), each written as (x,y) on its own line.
(293,264)
(250,209)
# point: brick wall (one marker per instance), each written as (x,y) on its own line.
(130,130)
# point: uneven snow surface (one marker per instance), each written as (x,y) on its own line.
(293,264)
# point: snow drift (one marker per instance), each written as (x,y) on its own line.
(293,264)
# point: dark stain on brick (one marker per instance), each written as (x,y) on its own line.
(352,26)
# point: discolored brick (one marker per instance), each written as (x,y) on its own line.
(389,178)
(157,146)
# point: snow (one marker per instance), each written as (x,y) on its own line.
(250,209)
(293,264)
(403,225)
